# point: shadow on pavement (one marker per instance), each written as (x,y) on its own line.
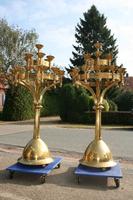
(65,178)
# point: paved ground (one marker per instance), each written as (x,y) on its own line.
(61,183)
(69,138)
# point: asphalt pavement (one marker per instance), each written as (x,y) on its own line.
(68,141)
(66,137)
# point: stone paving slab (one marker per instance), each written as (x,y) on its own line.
(61,183)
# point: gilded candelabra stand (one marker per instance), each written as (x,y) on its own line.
(38,78)
(97,76)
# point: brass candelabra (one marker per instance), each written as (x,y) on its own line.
(38,78)
(97,76)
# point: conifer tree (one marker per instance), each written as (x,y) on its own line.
(91,29)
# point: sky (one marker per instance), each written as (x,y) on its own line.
(55,22)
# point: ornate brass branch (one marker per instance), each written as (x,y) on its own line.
(98,76)
(38,78)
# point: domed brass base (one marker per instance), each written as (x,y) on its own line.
(97,155)
(36,153)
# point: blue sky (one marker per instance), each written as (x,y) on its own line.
(55,21)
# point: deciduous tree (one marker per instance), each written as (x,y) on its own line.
(14,42)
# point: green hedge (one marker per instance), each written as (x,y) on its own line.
(18,104)
(112,105)
(73,102)
(117,118)
(50,104)
(124,100)
(0,115)
(108,118)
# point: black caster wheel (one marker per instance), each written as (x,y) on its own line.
(11,173)
(42,179)
(59,165)
(117,182)
(78,179)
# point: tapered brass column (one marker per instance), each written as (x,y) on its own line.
(97,76)
(98,123)
(98,108)
(36,133)
(37,121)
(37,78)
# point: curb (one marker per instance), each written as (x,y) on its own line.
(56,122)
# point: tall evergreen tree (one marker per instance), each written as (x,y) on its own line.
(91,29)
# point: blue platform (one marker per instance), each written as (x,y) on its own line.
(42,170)
(113,172)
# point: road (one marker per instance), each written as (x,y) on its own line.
(120,142)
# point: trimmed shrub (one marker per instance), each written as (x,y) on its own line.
(114,92)
(18,104)
(82,100)
(0,115)
(124,101)
(112,105)
(76,106)
(66,100)
(108,118)
(117,118)
(50,104)
(73,103)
